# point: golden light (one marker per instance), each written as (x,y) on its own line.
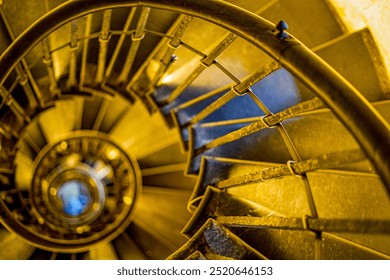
(127,200)
(112,154)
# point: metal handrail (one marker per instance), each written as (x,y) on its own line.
(367,126)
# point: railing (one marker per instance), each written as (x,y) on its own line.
(363,121)
(333,91)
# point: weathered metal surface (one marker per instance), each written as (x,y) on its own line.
(277,237)
(214,238)
(297,168)
(306,223)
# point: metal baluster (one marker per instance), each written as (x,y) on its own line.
(48,61)
(173,44)
(101,113)
(237,90)
(103,46)
(148,75)
(14,106)
(136,38)
(84,57)
(6,131)
(74,46)
(118,47)
(204,63)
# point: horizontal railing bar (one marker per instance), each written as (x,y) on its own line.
(324,161)
(306,223)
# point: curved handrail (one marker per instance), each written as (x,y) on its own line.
(367,126)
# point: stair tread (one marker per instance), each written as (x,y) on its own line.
(290,197)
(278,93)
(15,248)
(167,228)
(104,252)
(220,241)
(150,244)
(269,145)
(310,127)
(215,202)
(376,242)
(279,244)
(365,190)
(338,248)
(312,22)
(127,248)
(169,155)
(166,201)
(364,66)
(167,179)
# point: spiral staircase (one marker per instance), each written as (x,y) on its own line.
(191,130)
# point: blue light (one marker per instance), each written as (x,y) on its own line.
(75,197)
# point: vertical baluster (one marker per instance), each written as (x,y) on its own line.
(74,46)
(136,41)
(48,61)
(103,46)
(172,46)
(14,106)
(119,45)
(204,63)
(150,72)
(84,57)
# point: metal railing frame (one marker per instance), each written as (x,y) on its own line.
(368,127)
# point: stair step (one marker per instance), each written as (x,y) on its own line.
(278,244)
(166,226)
(357,58)
(260,146)
(321,125)
(169,180)
(115,109)
(216,203)
(220,241)
(166,156)
(130,122)
(127,249)
(149,242)
(376,242)
(214,169)
(312,22)
(196,256)
(103,252)
(14,248)
(52,127)
(23,171)
(304,130)
(288,195)
(170,201)
(338,248)
(351,195)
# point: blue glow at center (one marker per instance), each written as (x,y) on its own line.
(75,197)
